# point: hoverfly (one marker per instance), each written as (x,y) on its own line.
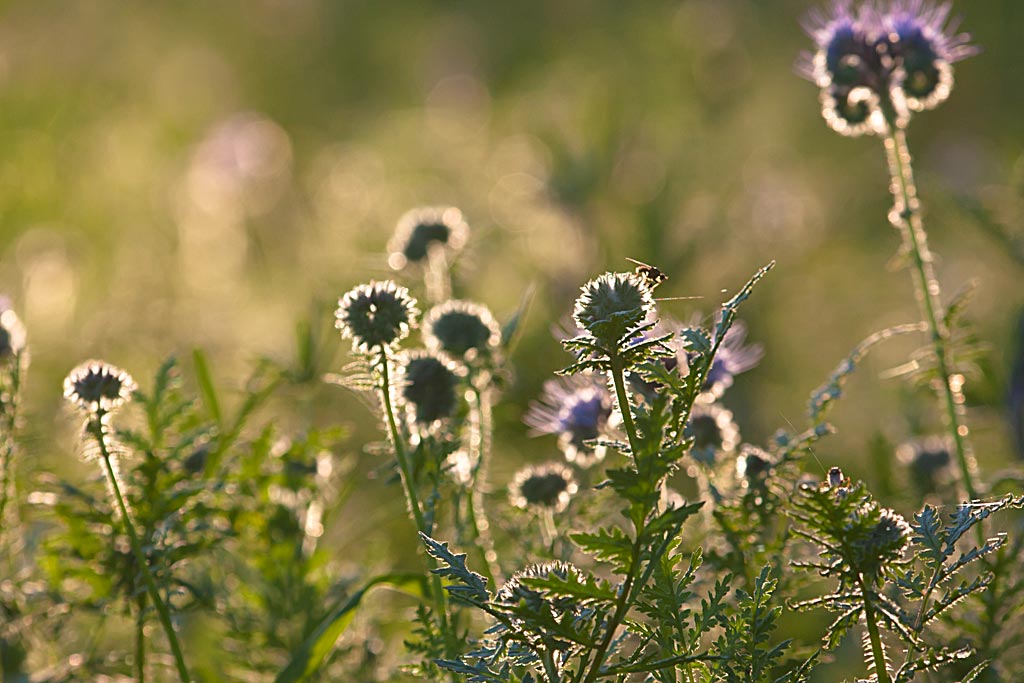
(651,275)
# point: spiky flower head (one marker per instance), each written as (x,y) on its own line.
(713,430)
(577,409)
(423,229)
(549,486)
(428,385)
(611,307)
(461,329)
(98,388)
(12,335)
(376,315)
(513,591)
(891,534)
(882,61)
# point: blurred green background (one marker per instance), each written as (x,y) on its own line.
(182,174)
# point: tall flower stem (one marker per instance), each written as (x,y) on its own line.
(7,445)
(625,593)
(874,637)
(411,497)
(480,443)
(98,431)
(906,216)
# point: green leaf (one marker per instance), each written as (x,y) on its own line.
(510,329)
(206,387)
(471,587)
(312,652)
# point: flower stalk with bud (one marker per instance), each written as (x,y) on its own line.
(98,390)
(876,67)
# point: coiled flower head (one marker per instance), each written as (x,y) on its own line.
(98,388)
(611,306)
(882,62)
(550,486)
(577,409)
(928,461)
(753,466)
(428,385)
(423,229)
(376,315)
(713,430)
(461,329)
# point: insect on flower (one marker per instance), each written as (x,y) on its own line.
(651,275)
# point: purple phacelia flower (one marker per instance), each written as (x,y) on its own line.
(881,62)
(577,409)
(734,356)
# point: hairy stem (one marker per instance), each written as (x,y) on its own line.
(7,446)
(480,445)
(97,429)
(622,397)
(877,650)
(412,499)
(622,601)
(906,216)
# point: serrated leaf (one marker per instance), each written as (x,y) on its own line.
(471,587)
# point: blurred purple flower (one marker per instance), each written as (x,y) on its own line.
(733,357)
(882,61)
(577,409)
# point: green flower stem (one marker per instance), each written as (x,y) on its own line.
(140,640)
(7,446)
(96,428)
(482,430)
(623,599)
(906,216)
(877,650)
(619,380)
(412,499)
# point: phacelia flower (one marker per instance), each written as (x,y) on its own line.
(12,335)
(550,486)
(733,358)
(97,387)
(753,466)
(612,306)
(713,431)
(428,385)
(376,315)
(882,61)
(461,329)
(421,230)
(577,409)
